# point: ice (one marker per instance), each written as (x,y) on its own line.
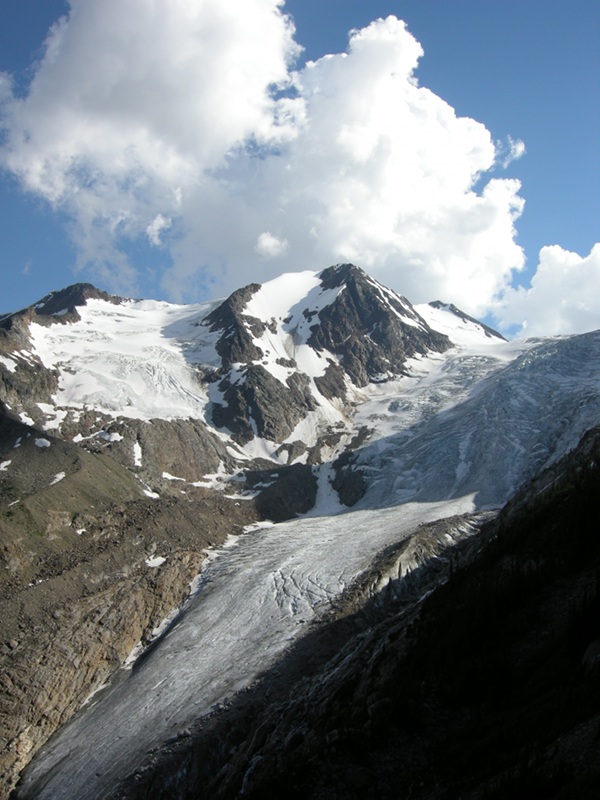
(42,443)
(109,437)
(125,360)
(255,599)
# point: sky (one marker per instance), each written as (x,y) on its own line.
(181,149)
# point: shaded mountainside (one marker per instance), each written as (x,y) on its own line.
(488,689)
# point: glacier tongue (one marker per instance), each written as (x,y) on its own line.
(255,599)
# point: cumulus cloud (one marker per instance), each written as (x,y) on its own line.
(135,103)
(563,297)
(270,246)
(189,125)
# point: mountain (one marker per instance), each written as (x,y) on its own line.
(137,436)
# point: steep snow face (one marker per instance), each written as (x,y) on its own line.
(288,305)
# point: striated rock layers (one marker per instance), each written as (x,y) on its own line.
(89,569)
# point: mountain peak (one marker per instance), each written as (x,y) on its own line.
(371,329)
(61,305)
(452,309)
(339,274)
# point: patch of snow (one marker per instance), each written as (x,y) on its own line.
(155,561)
(17,443)
(133,656)
(5,465)
(26,419)
(167,476)
(93,693)
(9,363)
(149,493)
(56,416)
(137,454)
(58,478)
(109,437)
(81,531)
(26,356)
(42,443)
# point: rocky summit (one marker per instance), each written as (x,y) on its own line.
(219,523)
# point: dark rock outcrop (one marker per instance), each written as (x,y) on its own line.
(373,332)
(288,491)
(259,404)
(235,345)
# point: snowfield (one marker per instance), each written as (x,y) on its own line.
(128,359)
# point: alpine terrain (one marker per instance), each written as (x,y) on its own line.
(307,541)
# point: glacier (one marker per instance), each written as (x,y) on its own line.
(458,435)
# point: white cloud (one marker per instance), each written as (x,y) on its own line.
(564,296)
(156,227)
(189,116)
(270,246)
(381,172)
(509,151)
(134,103)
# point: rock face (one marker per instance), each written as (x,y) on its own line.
(263,406)
(365,334)
(373,331)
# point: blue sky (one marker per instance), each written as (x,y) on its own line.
(527,70)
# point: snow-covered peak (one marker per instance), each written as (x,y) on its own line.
(286,371)
(458,326)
